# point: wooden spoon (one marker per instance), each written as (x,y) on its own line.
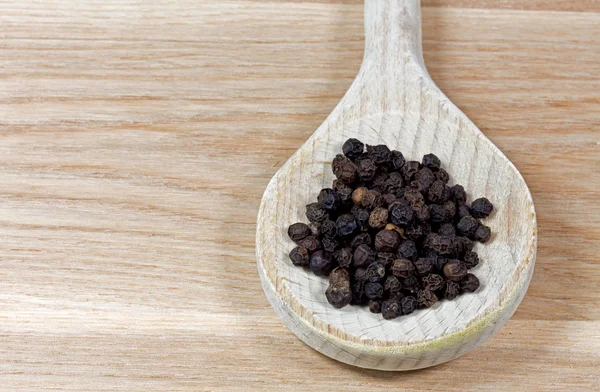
(393,101)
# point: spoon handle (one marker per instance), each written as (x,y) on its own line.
(392,31)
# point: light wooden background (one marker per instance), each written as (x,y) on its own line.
(136,139)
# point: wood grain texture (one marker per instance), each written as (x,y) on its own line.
(124,126)
(393,101)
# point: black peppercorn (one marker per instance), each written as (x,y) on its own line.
(463,211)
(373,290)
(364,255)
(458,194)
(408,250)
(366,169)
(403,268)
(329,200)
(358,293)
(329,244)
(374,306)
(299,256)
(353,148)
(328,228)
(449,211)
(390,309)
(469,283)
(417,231)
(433,282)
(442,175)
(424,265)
(438,192)
(467,226)
(311,243)
(343,257)
(401,214)
(389,199)
(412,196)
(409,304)
(362,217)
(393,184)
(424,179)
(392,284)
(387,241)
(409,170)
(441,244)
(372,199)
(482,234)
(386,258)
(411,284)
(452,290)
(481,208)
(316,213)
(321,263)
(426,298)
(344,169)
(421,211)
(447,229)
(360,239)
(298,231)
(339,293)
(455,270)
(375,272)
(437,213)
(380,154)
(431,161)
(471,259)
(346,225)
(397,160)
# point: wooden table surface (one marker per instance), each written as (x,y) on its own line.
(136,139)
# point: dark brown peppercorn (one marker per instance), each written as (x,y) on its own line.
(441,244)
(390,309)
(409,170)
(467,226)
(389,198)
(339,293)
(452,290)
(469,284)
(447,229)
(362,217)
(344,169)
(329,244)
(311,243)
(380,154)
(329,200)
(449,211)
(424,265)
(407,250)
(442,175)
(455,270)
(394,183)
(471,259)
(424,179)
(462,245)
(343,257)
(482,234)
(299,256)
(372,199)
(437,214)
(346,225)
(431,161)
(378,182)
(366,169)
(328,228)
(413,196)
(438,192)
(411,284)
(321,263)
(421,211)
(385,258)
(373,290)
(433,282)
(387,241)
(378,218)
(481,208)
(397,160)
(403,268)
(298,231)
(409,304)
(353,148)
(392,284)
(401,214)
(397,229)
(463,211)
(426,298)
(375,306)
(364,255)
(417,231)
(375,272)
(316,213)
(458,194)
(360,239)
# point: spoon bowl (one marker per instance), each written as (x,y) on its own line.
(393,101)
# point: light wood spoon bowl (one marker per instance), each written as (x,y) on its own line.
(393,101)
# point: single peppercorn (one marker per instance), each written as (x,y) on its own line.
(299,256)
(424,179)
(462,245)
(421,211)
(467,226)
(360,275)
(316,213)
(362,217)
(409,170)
(353,148)
(378,182)
(359,194)
(458,194)
(401,214)
(358,293)
(411,284)
(364,255)
(298,231)
(403,268)
(372,199)
(397,229)
(481,208)
(390,309)
(471,259)
(392,284)
(360,239)
(455,270)
(397,160)
(339,293)
(329,200)
(311,243)
(442,175)
(426,298)
(393,184)
(378,218)
(452,290)
(366,169)
(433,282)
(387,241)
(449,211)
(463,211)
(407,250)
(436,213)
(321,263)
(438,192)
(469,283)
(380,154)
(431,161)
(423,265)
(386,259)
(482,234)
(389,198)
(412,196)
(442,244)
(329,244)
(346,225)
(375,272)
(373,290)
(328,228)
(344,169)
(374,306)
(343,257)
(409,304)
(447,229)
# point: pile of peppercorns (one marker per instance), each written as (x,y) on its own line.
(390,233)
